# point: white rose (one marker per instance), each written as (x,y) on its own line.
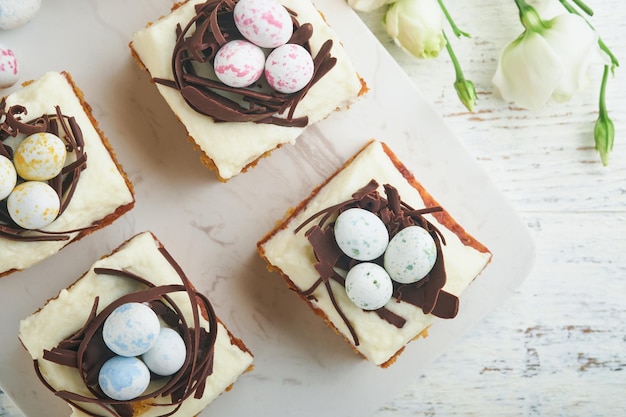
(417,27)
(368,5)
(549,60)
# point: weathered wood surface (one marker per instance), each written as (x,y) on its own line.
(558,346)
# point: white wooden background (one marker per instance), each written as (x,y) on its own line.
(558,346)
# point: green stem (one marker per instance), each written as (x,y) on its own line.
(604,128)
(457,67)
(582,6)
(457,32)
(602,104)
(465,89)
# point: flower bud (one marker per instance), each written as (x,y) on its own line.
(416,26)
(466,91)
(368,5)
(604,135)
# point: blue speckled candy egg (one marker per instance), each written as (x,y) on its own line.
(410,255)
(122,378)
(167,355)
(8,177)
(14,13)
(360,234)
(368,286)
(131,329)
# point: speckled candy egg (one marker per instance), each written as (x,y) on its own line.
(289,68)
(167,355)
(360,234)
(8,177)
(40,157)
(9,73)
(123,378)
(265,23)
(14,13)
(131,329)
(33,204)
(368,286)
(411,255)
(239,63)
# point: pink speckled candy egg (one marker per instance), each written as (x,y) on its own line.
(289,68)
(239,63)
(265,23)
(8,67)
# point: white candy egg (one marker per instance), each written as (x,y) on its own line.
(368,286)
(8,177)
(14,13)
(9,73)
(289,68)
(123,378)
(40,157)
(360,234)
(33,204)
(131,329)
(239,63)
(411,255)
(167,355)
(265,23)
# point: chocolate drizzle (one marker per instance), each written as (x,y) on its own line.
(426,294)
(85,350)
(64,183)
(196,46)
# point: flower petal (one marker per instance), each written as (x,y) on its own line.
(528,71)
(574,41)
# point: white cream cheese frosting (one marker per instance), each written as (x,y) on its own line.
(101,189)
(293,255)
(233,145)
(68,312)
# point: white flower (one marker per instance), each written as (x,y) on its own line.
(547,9)
(416,26)
(549,60)
(368,5)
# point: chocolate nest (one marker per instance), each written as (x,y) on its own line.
(426,294)
(64,183)
(196,46)
(86,351)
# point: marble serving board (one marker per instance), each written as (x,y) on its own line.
(301,367)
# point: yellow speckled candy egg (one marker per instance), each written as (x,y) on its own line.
(8,177)
(33,204)
(40,156)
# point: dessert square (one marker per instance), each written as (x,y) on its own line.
(234,127)
(91,189)
(334,263)
(69,333)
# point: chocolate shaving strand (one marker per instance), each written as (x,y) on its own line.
(200,39)
(426,294)
(12,124)
(64,184)
(85,350)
